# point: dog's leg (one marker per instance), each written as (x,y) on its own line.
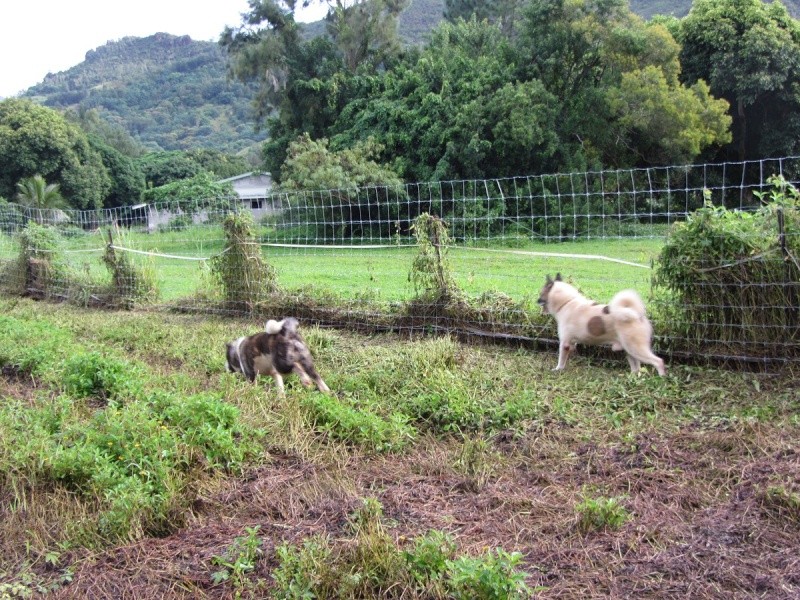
(563,355)
(310,377)
(279,382)
(634,363)
(647,356)
(321,386)
(301,373)
(657,362)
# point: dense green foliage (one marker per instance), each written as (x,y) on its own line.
(35,140)
(573,86)
(127,178)
(134,456)
(191,192)
(749,53)
(454,111)
(355,189)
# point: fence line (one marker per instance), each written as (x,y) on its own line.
(346,256)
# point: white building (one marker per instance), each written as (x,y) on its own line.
(254,190)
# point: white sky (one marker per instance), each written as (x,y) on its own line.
(48,36)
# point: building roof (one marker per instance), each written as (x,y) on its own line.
(250,185)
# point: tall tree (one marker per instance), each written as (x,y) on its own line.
(365,33)
(127,178)
(749,53)
(304,84)
(616,77)
(504,12)
(35,139)
(456,110)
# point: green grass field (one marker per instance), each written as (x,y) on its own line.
(382,274)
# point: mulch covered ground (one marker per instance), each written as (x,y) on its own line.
(703,524)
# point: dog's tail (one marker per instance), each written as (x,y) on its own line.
(627,305)
(287,325)
(272,327)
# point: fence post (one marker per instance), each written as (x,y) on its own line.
(787,280)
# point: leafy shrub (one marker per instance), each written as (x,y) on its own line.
(493,576)
(731,278)
(89,374)
(370,565)
(134,459)
(192,194)
(427,560)
(238,560)
(300,569)
(209,426)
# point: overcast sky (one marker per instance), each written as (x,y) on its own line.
(48,36)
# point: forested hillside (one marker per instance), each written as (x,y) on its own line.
(173,93)
(169,92)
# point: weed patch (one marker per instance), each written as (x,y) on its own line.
(371,565)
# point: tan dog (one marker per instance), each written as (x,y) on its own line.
(276,351)
(622,323)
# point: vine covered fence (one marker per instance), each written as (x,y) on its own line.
(356,257)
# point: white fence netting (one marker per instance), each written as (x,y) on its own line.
(348,256)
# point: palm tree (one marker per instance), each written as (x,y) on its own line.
(36,193)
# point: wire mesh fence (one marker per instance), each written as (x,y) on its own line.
(713,250)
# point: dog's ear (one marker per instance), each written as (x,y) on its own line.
(290,325)
(558,277)
(548,279)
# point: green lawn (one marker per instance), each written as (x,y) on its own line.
(382,273)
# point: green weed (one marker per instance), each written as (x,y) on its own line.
(344,422)
(601,513)
(370,565)
(493,576)
(238,560)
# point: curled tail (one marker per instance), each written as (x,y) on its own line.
(288,325)
(627,305)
